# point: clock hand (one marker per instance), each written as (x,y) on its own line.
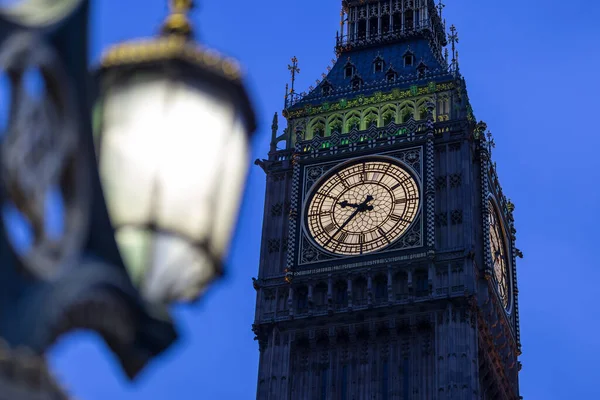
(362,207)
(345,204)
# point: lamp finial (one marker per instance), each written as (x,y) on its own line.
(177,22)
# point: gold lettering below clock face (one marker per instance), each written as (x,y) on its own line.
(362,206)
(499,259)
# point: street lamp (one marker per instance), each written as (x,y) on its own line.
(172,130)
(147,221)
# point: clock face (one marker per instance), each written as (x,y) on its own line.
(363,206)
(499,257)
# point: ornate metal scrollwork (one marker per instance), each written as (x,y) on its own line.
(39,156)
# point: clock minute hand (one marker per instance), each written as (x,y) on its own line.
(344,225)
(362,207)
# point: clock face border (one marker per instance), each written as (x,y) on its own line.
(492,205)
(317,184)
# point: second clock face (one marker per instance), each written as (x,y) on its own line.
(363,206)
(499,259)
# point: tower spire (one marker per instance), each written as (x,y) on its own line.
(453,37)
(440,8)
(293,68)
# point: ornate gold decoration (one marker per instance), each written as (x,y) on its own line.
(174,43)
(376,98)
(178,22)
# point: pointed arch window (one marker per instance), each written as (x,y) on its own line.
(421,283)
(407,112)
(391,75)
(388,117)
(422,108)
(422,69)
(349,70)
(341,294)
(318,129)
(378,64)
(423,112)
(359,292)
(282,303)
(373,26)
(320,296)
(380,288)
(362,29)
(353,123)
(409,17)
(385,22)
(302,300)
(357,83)
(409,59)
(400,285)
(335,125)
(443,107)
(371,119)
(397,22)
(326,88)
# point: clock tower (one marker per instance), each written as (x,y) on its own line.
(388,259)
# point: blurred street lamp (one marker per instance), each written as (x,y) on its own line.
(147,221)
(173,126)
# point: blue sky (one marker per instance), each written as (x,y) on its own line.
(531,70)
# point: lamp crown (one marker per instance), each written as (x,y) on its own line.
(177,22)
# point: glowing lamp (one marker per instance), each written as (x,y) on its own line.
(172,129)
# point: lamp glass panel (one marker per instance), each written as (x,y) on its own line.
(173,157)
(37,12)
(179,271)
(231,188)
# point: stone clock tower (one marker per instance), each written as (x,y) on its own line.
(388,260)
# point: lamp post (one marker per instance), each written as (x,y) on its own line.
(147,194)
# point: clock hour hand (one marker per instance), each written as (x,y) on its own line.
(362,206)
(345,204)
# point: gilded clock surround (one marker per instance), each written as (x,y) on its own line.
(362,206)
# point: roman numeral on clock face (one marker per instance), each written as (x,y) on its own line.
(329,228)
(342,237)
(397,218)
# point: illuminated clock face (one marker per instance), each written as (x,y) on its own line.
(362,207)
(499,258)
